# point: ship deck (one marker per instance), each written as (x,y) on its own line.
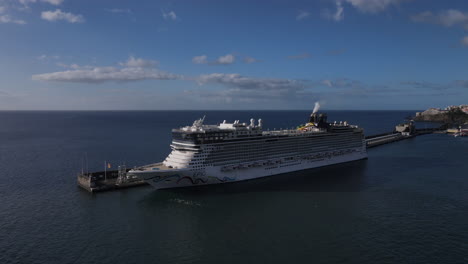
(154,167)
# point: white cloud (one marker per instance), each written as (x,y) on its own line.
(170,15)
(52,2)
(222,60)
(104,74)
(139,63)
(448,18)
(243,82)
(203,59)
(132,70)
(302,15)
(327,83)
(60,15)
(464,41)
(226,59)
(7,19)
(73,66)
(250,89)
(372,6)
(364,6)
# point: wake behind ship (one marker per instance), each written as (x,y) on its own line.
(229,152)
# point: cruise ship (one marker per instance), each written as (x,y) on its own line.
(230,152)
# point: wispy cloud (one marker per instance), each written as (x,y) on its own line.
(19,5)
(133,69)
(238,81)
(372,6)
(301,56)
(302,15)
(73,66)
(226,59)
(464,41)
(48,57)
(52,2)
(139,63)
(425,85)
(337,16)
(221,60)
(250,60)
(342,83)
(119,10)
(364,6)
(202,59)
(250,89)
(171,15)
(8,19)
(462,83)
(60,15)
(447,18)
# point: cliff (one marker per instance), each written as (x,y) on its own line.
(453,115)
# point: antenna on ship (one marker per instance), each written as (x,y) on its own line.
(199,122)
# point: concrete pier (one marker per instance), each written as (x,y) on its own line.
(107,180)
(374,141)
(385,138)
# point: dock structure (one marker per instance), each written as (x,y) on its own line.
(381,139)
(107,180)
(385,138)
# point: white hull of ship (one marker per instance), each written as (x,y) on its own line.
(164,179)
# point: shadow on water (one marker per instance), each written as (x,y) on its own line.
(346,177)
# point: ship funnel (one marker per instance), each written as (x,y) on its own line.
(322,119)
(319,120)
(314,117)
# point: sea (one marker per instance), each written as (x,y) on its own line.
(407,203)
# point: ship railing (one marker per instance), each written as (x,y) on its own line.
(291,132)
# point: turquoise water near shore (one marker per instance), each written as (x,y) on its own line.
(407,203)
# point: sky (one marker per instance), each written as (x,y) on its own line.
(233,55)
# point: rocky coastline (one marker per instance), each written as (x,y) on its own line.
(449,115)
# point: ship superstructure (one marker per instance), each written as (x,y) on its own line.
(228,152)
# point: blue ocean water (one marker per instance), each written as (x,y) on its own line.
(408,203)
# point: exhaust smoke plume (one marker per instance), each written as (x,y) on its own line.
(316,107)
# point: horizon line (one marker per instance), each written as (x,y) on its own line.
(149,110)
